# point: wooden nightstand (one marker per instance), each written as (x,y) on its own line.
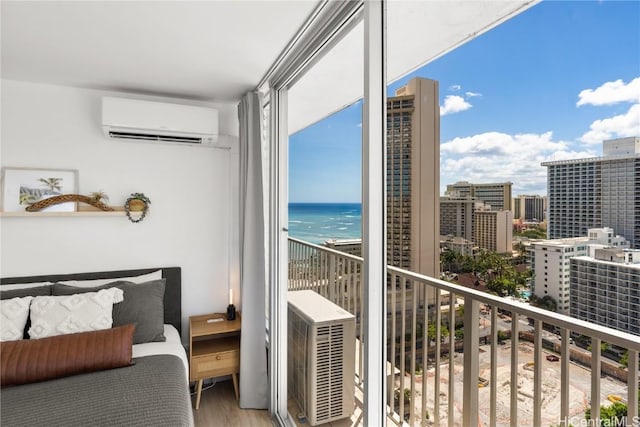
(214,349)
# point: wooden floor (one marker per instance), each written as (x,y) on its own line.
(219,407)
(298,417)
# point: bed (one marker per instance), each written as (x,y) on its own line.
(153,391)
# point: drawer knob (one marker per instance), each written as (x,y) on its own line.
(218,357)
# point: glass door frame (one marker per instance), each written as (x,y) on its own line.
(326,26)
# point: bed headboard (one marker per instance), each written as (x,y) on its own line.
(172,292)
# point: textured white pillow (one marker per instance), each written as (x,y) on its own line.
(58,315)
(99,282)
(13,318)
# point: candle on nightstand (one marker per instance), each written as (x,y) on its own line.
(231,310)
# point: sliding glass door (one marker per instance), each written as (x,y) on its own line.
(327,263)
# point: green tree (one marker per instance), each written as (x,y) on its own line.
(612,415)
(624,360)
(431,331)
(547,302)
(521,249)
(449,259)
(500,286)
(459,334)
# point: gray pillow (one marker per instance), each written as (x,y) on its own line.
(35,291)
(143,305)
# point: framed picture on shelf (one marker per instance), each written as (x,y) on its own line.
(22,187)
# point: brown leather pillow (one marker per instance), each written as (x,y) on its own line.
(28,361)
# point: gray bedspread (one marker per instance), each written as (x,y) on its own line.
(153,392)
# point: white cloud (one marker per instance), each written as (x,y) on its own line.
(619,126)
(611,93)
(472,94)
(453,104)
(455,88)
(500,157)
(359,125)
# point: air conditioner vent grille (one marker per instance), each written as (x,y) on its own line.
(156,137)
(321,358)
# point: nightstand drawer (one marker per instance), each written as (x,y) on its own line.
(215,364)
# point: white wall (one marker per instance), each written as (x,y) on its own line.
(192,222)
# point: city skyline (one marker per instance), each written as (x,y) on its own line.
(549,84)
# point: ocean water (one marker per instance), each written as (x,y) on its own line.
(317,222)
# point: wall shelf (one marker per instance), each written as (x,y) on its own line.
(82,211)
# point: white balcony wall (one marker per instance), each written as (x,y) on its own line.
(192,222)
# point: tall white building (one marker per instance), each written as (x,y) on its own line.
(596,192)
(605,288)
(550,262)
(550,266)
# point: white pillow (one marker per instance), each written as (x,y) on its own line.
(15,312)
(68,314)
(99,282)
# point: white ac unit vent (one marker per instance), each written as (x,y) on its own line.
(134,119)
(321,357)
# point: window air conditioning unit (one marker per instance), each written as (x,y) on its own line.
(321,357)
(138,120)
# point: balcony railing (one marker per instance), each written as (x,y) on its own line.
(427,385)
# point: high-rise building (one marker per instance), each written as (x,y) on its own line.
(605,288)
(497,195)
(413,177)
(550,262)
(550,267)
(456,216)
(493,230)
(529,208)
(596,192)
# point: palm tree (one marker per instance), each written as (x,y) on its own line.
(53,184)
(448,258)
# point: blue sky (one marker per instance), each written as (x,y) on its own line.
(551,83)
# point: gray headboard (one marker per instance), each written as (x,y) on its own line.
(172,293)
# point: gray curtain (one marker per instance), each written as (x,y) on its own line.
(254,388)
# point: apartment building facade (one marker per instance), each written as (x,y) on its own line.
(457,244)
(497,195)
(493,230)
(550,264)
(605,288)
(413,177)
(456,216)
(529,208)
(596,192)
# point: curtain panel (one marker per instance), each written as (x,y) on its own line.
(254,388)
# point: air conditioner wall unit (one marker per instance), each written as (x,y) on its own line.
(139,120)
(321,357)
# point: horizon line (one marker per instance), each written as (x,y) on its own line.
(310,203)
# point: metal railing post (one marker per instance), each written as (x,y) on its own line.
(470,416)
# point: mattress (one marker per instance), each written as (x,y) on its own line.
(173,345)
